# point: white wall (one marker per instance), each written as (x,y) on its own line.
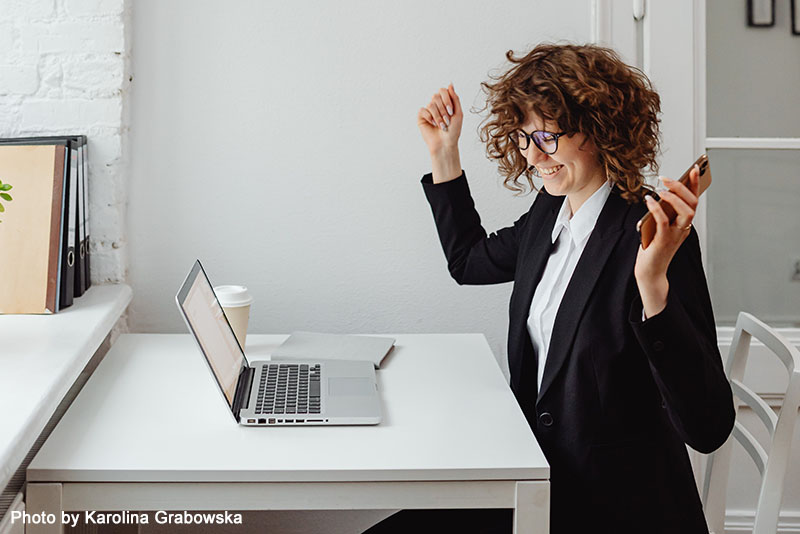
(278,143)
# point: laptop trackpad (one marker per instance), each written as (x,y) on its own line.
(351,386)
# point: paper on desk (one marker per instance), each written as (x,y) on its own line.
(317,346)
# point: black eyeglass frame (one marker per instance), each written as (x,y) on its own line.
(529,137)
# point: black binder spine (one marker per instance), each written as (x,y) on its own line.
(80,245)
(68,234)
(87,271)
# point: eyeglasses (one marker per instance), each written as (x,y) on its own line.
(547,142)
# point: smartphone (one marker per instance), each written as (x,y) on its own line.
(647,225)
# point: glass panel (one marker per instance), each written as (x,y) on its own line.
(754,235)
(753,74)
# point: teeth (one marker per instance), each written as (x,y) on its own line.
(551,170)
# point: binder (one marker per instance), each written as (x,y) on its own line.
(74,266)
(80,220)
(85,199)
(31,228)
(67,290)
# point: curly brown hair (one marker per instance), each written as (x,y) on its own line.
(582,88)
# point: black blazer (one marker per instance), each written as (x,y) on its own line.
(620,396)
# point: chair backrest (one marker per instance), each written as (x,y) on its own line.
(772,465)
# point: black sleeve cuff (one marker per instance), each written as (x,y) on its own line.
(427,180)
(657,333)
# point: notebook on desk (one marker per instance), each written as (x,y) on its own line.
(304,345)
(266,393)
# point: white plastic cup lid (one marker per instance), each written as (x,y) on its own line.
(230,296)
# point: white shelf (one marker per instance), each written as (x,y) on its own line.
(41,356)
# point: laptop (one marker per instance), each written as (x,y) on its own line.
(266,393)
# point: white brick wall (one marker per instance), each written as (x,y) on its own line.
(65,69)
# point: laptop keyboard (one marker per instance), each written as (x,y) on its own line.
(289,388)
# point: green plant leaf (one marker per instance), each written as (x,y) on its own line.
(2,209)
(5,187)
(6,196)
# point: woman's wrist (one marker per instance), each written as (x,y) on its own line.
(446,165)
(653,293)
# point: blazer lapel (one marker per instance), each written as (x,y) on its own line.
(530,271)
(594,257)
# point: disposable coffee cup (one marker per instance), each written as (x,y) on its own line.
(235,302)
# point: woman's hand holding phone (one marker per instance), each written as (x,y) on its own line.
(652,262)
(440,125)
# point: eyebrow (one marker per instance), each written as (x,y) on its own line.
(543,129)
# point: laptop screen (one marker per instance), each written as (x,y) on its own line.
(212,331)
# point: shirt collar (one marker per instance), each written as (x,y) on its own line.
(581,224)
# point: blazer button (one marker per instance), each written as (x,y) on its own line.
(546,419)
(658,346)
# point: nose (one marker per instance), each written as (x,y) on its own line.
(533,155)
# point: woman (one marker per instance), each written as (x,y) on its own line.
(612,348)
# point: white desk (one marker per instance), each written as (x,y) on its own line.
(41,356)
(150,432)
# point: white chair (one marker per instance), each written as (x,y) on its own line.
(772,466)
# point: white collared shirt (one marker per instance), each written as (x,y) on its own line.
(570,235)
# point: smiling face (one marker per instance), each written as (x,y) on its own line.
(574,170)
